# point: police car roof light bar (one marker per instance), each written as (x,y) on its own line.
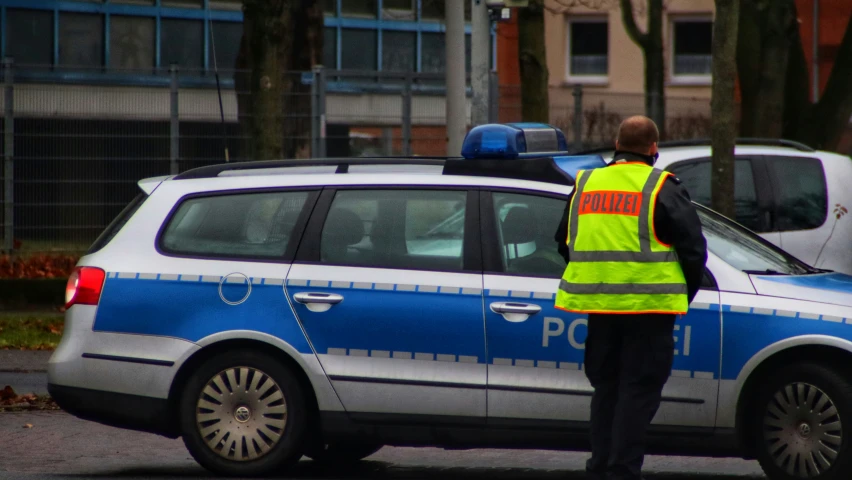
(513,141)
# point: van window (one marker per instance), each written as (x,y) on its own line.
(243,225)
(800,191)
(696,178)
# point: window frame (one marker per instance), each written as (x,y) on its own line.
(762,187)
(308,252)
(292,244)
(687,80)
(492,260)
(581,78)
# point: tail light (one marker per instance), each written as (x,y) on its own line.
(84,286)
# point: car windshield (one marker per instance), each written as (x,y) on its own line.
(745,250)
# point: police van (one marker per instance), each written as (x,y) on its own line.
(268,310)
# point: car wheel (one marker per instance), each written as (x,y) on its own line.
(342,452)
(802,423)
(243,413)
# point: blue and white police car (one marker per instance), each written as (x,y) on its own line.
(269,310)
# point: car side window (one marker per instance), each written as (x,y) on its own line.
(525,226)
(405,229)
(696,178)
(240,225)
(801,193)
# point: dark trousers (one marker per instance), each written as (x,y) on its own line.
(628,360)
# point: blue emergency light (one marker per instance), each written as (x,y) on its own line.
(514,140)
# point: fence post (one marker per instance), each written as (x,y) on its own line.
(318,132)
(406,114)
(8,157)
(578,117)
(493,97)
(314,114)
(174,121)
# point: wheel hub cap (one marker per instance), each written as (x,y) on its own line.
(241,413)
(802,430)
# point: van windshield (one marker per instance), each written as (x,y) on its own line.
(745,250)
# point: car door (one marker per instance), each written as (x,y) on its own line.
(535,352)
(387,284)
(752,192)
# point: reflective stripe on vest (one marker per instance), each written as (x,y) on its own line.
(616,263)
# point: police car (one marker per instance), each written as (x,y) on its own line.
(269,310)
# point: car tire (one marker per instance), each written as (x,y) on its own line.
(801,422)
(342,452)
(260,406)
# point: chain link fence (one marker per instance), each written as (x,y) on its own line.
(75,142)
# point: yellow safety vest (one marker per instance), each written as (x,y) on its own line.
(616,262)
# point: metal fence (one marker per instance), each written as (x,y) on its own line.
(75,142)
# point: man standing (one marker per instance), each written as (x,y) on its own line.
(635,252)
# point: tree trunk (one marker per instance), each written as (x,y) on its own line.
(651,44)
(724,132)
(535,103)
(655,97)
(769,56)
(830,117)
(280,40)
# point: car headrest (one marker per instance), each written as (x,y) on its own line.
(519,226)
(346,229)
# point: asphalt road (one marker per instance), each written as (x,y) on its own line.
(61,446)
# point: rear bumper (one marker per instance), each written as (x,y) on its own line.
(134,412)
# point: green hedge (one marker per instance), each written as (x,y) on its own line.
(24,292)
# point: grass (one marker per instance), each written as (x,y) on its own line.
(30,331)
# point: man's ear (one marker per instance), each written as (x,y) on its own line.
(653,149)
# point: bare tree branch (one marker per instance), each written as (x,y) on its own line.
(630,26)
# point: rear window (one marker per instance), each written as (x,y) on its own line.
(241,225)
(118,223)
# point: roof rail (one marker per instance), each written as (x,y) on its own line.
(775,142)
(698,142)
(342,164)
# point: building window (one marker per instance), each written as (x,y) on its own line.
(329,7)
(588,50)
(399,51)
(692,50)
(81,40)
(182,43)
(358,49)
(398,9)
(131,42)
(434,10)
(29,36)
(227,37)
(359,8)
(329,47)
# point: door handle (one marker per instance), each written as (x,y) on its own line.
(515,312)
(318,302)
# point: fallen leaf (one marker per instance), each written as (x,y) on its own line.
(28,425)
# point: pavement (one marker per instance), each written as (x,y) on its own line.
(25,371)
(52,445)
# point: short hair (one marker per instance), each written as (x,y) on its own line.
(637,134)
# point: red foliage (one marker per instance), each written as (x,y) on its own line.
(37,266)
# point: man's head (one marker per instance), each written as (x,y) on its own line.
(638,134)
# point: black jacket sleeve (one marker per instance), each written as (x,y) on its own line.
(561,235)
(676,223)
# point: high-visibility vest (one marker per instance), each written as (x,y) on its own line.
(616,262)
